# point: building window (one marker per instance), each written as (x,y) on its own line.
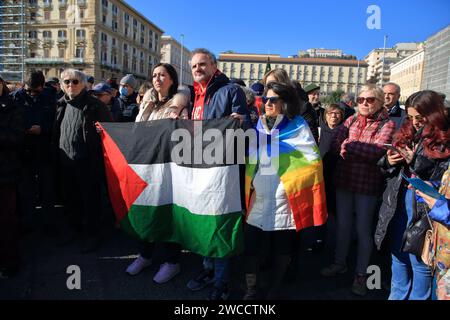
(79,52)
(62,14)
(46,53)
(114,9)
(33,16)
(125,47)
(47,34)
(82,13)
(104,19)
(105,3)
(32,34)
(61,53)
(62,34)
(126,17)
(81,33)
(46,15)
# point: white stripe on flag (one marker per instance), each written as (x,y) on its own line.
(210,191)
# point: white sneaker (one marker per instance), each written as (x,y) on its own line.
(138,265)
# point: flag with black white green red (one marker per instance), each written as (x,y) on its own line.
(196,204)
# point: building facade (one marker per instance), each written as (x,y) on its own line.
(379,72)
(408,74)
(174,53)
(103,38)
(321,53)
(437,63)
(330,74)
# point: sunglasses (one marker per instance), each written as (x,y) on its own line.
(74,82)
(271,99)
(369,100)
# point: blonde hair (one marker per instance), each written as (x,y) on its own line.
(377,91)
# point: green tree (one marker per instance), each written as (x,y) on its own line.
(334,97)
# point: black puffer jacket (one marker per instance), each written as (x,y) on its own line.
(427,170)
(93,111)
(12,134)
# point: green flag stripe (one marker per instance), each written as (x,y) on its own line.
(215,236)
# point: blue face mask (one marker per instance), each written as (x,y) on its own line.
(123,91)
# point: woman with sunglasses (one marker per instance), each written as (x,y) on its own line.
(12,134)
(282,196)
(359,182)
(78,146)
(161,102)
(423,151)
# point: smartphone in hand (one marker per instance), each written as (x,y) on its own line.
(391,147)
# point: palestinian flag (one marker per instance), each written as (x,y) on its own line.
(195,204)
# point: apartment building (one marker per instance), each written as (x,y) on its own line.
(330,74)
(103,38)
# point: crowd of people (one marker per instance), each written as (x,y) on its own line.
(50,152)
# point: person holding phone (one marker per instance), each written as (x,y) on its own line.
(423,151)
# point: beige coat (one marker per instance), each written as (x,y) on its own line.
(175,107)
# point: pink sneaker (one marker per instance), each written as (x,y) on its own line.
(166,272)
(138,265)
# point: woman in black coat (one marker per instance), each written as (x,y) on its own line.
(329,125)
(423,151)
(12,133)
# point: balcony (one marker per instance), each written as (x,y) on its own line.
(80,39)
(77,60)
(42,60)
(62,40)
(62,4)
(47,6)
(82,3)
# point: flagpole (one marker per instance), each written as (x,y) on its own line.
(384,57)
(181,60)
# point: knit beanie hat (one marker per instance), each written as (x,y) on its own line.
(130,80)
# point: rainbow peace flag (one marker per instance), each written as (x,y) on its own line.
(299,167)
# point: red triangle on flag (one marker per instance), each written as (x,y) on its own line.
(124,184)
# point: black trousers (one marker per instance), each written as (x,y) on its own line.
(9,228)
(81,189)
(37,185)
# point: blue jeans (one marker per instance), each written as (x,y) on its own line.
(411,278)
(221,269)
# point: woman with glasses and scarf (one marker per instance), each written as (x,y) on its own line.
(329,126)
(422,150)
(359,182)
(284,188)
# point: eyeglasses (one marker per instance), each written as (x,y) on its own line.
(334,113)
(369,100)
(271,99)
(73,81)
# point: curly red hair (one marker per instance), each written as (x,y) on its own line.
(436,132)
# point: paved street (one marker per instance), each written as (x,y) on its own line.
(103,274)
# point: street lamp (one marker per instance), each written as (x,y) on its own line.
(181,60)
